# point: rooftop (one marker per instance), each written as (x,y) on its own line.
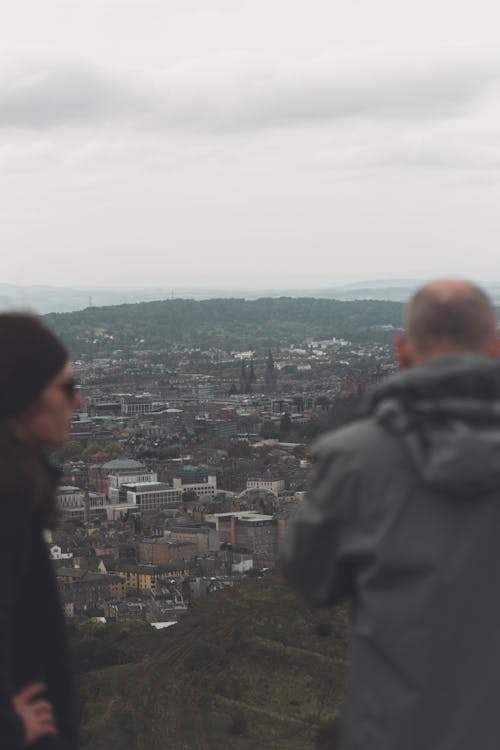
(124,463)
(147,486)
(245,515)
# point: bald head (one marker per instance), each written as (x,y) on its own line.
(448,316)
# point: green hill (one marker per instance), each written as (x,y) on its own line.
(223,323)
(247,668)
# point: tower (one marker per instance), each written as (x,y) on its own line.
(270,378)
(243,377)
(251,373)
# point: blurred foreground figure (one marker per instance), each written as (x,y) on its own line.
(404,518)
(38,398)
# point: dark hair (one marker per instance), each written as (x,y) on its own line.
(27,476)
(464,317)
(31,356)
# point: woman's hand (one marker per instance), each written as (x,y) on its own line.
(37,713)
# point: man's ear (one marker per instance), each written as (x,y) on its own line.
(404,352)
(494,348)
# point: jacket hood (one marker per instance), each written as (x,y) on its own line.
(447,414)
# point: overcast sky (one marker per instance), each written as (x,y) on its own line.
(245,143)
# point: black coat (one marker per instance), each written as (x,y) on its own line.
(33,641)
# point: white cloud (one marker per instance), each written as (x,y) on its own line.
(46,93)
(234,92)
(223,140)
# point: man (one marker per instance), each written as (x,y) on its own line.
(404,518)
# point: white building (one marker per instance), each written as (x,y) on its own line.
(266,483)
(136,405)
(205,487)
(69,497)
(56,553)
(126,471)
(150,495)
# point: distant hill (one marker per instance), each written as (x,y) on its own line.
(45,299)
(247,668)
(224,323)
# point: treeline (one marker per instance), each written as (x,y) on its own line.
(224,323)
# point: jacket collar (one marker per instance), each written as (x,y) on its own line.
(463,375)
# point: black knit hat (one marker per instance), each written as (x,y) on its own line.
(30,356)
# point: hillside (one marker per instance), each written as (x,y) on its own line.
(223,323)
(57,299)
(247,668)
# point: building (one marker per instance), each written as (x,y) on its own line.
(99,406)
(131,405)
(116,610)
(149,495)
(126,471)
(198,480)
(56,553)
(249,530)
(204,537)
(69,498)
(143,577)
(86,590)
(77,504)
(203,391)
(266,483)
(215,429)
(165,552)
(127,468)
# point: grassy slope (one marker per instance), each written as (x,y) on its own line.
(245,669)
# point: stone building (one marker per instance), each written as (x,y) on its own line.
(165,552)
(86,590)
(249,530)
(205,538)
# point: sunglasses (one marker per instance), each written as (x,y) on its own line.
(70,388)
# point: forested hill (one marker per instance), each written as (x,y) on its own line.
(225,323)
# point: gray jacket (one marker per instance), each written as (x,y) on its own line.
(404,518)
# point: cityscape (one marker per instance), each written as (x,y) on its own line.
(175,481)
(184,468)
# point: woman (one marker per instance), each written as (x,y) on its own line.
(38,398)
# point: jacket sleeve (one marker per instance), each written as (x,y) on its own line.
(317,555)
(13,533)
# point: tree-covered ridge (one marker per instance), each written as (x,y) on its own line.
(225,323)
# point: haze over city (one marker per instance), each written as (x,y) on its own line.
(247,144)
